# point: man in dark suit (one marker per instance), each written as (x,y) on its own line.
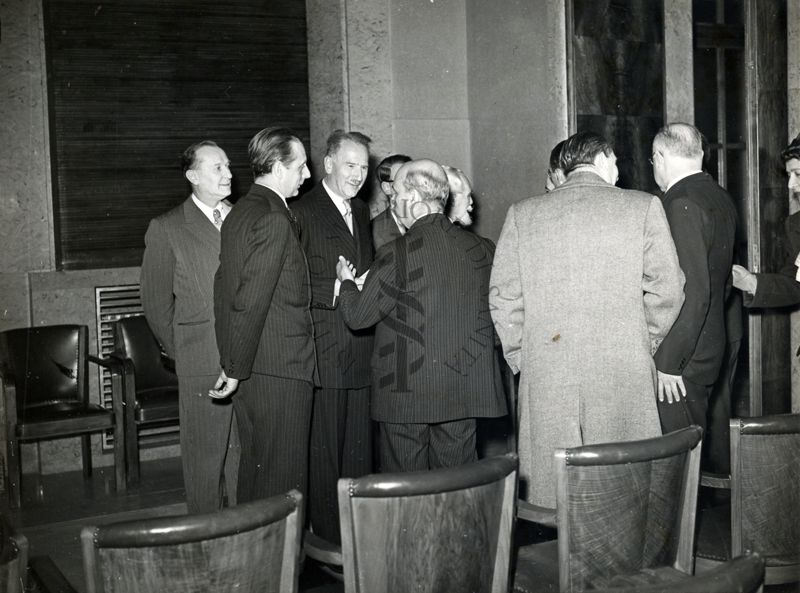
(702,220)
(385,226)
(264,328)
(177,282)
(334,222)
(433,366)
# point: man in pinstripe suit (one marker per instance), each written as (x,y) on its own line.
(434,369)
(264,328)
(177,280)
(333,222)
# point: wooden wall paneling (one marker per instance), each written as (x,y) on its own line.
(769,329)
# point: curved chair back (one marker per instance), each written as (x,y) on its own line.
(250,548)
(765,492)
(743,574)
(133,339)
(50,364)
(440,530)
(626,507)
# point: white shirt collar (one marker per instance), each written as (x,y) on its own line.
(276,190)
(400,227)
(341,203)
(679,177)
(208,211)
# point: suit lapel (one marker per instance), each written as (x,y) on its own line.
(336,227)
(198,225)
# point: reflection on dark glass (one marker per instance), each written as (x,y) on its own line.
(704,11)
(735,94)
(705,92)
(734,12)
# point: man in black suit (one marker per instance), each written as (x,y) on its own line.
(385,226)
(334,222)
(433,366)
(181,257)
(263,324)
(702,219)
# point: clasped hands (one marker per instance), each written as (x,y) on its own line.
(347,271)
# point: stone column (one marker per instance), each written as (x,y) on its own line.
(349,73)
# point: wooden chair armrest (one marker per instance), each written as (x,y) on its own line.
(48,577)
(715,480)
(114,365)
(321,549)
(536,514)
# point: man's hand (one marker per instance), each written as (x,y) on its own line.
(672,386)
(345,270)
(744,279)
(224,387)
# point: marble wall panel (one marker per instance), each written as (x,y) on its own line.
(517,79)
(25,215)
(429,59)
(446,141)
(14,300)
(678,69)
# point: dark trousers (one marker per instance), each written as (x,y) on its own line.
(691,409)
(341,447)
(415,447)
(209,445)
(716,445)
(274,418)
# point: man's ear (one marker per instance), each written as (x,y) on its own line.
(191,176)
(386,187)
(328,164)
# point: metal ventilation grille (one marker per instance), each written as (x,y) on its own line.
(112,303)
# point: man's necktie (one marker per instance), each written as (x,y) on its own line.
(217,218)
(348,216)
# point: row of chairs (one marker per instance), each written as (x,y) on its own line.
(430,532)
(45,391)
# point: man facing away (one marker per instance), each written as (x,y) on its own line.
(433,365)
(702,220)
(585,285)
(333,222)
(263,324)
(385,226)
(177,283)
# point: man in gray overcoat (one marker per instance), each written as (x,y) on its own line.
(585,285)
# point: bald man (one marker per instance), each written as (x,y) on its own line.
(433,365)
(702,220)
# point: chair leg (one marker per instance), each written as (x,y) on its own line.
(132,448)
(14,479)
(120,470)
(86,452)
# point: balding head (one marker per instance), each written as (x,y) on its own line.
(421,188)
(677,150)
